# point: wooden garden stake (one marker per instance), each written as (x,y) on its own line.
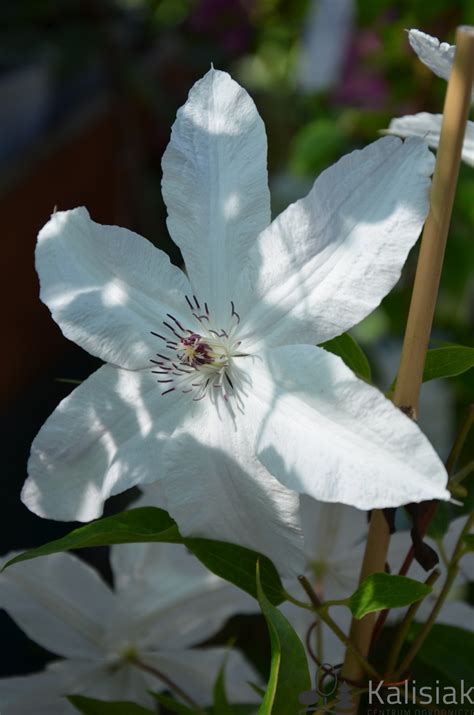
(422,307)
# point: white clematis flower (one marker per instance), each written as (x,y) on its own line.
(456,610)
(334,545)
(439,57)
(234,371)
(325,43)
(163,603)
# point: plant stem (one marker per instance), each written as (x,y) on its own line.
(463,473)
(166,680)
(460,440)
(321,610)
(425,290)
(450,577)
(404,627)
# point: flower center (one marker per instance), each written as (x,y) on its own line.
(199,360)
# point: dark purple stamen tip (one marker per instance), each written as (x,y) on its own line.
(170,327)
(175,320)
(234,312)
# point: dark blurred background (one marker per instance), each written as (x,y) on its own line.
(88,92)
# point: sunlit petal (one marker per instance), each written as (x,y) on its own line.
(106,286)
(328,434)
(329,259)
(215,185)
(102,439)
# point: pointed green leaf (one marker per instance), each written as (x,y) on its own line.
(173,706)
(237,565)
(350,351)
(149,524)
(146,524)
(447,361)
(381,590)
(90,706)
(221,704)
(289,675)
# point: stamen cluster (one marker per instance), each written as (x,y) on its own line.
(198,360)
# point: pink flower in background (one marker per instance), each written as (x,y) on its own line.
(363,85)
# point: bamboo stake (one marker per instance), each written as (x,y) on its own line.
(422,307)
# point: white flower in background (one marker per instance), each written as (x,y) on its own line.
(428,127)
(212,368)
(436,398)
(456,611)
(334,540)
(439,57)
(325,43)
(163,603)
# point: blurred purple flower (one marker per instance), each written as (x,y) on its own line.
(362,85)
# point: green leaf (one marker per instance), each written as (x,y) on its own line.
(381,590)
(237,565)
(289,675)
(449,650)
(447,361)
(89,706)
(350,351)
(149,524)
(469,542)
(221,704)
(146,524)
(316,146)
(439,524)
(173,705)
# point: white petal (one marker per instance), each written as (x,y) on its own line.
(325,43)
(328,434)
(428,127)
(107,287)
(58,601)
(334,543)
(39,693)
(195,671)
(102,439)
(215,488)
(329,259)
(104,680)
(173,600)
(137,562)
(332,650)
(215,185)
(438,56)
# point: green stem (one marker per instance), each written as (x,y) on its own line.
(460,440)
(296,602)
(166,680)
(404,627)
(463,473)
(321,610)
(453,571)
